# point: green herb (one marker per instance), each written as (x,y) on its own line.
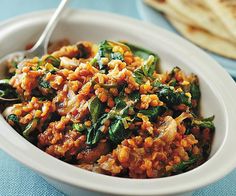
(187,132)
(149,66)
(117,132)
(53,71)
(79,127)
(105,49)
(122,109)
(205,123)
(44,84)
(94,136)
(153,112)
(83,51)
(50,92)
(15,120)
(156,84)
(94,133)
(30,128)
(146,70)
(117,56)
(184,165)
(139,76)
(120,103)
(93,61)
(7,92)
(172,98)
(96,108)
(39,64)
(138,51)
(195,91)
(173,82)
(14,64)
(53,60)
(135,96)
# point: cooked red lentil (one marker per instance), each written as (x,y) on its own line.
(107,108)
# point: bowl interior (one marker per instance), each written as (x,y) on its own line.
(75,31)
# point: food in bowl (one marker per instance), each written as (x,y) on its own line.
(108,109)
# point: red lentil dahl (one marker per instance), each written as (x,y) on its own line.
(106,108)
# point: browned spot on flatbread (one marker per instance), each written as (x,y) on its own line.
(161,1)
(193,29)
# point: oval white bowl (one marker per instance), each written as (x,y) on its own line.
(218,98)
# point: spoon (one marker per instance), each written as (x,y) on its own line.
(40,48)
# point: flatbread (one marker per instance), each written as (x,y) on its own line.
(167,10)
(204,39)
(226,11)
(201,14)
(189,11)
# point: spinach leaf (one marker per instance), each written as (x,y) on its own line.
(94,133)
(205,123)
(83,51)
(139,76)
(172,98)
(53,71)
(15,64)
(14,121)
(195,91)
(79,127)
(30,128)
(120,103)
(105,49)
(121,108)
(39,64)
(117,132)
(156,84)
(138,51)
(184,165)
(153,112)
(53,60)
(188,131)
(7,92)
(93,61)
(146,70)
(94,136)
(49,93)
(117,56)
(44,84)
(13,118)
(172,82)
(96,108)
(149,66)
(135,96)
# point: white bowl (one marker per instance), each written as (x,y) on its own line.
(218,98)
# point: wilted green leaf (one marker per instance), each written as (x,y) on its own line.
(96,108)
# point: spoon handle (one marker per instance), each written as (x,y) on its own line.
(41,45)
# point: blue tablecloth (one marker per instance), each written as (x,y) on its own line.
(16,179)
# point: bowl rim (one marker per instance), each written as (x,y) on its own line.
(44,164)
